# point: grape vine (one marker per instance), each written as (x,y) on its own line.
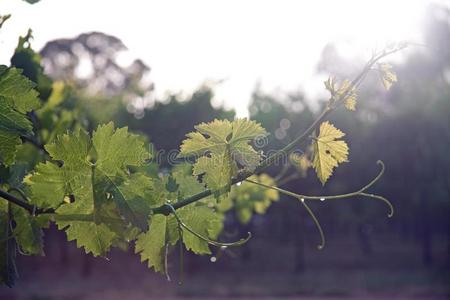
(93,184)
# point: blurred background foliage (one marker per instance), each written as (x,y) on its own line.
(408,128)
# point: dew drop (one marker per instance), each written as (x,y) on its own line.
(302,199)
(213,259)
(322,199)
(223,247)
(239,183)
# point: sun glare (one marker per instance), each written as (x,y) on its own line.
(236,43)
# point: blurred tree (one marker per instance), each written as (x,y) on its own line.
(102,87)
(105,90)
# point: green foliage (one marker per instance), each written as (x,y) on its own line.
(17,97)
(165,230)
(94,172)
(26,59)
(221,147)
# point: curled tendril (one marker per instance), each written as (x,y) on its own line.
(209,241)
(316,221)
(360,192)
(388,203)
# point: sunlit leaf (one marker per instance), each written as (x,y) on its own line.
(329,152)
(221,147)
(94,173)
(388,76)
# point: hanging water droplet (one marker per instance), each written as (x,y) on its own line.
(322,199)
(239,183)
(302,199)
(223,248)
(213,259)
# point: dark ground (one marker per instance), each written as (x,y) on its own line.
(266,269)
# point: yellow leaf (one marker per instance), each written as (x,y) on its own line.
(388,77)
(329,152)
(349,92)
(345,93)
(350,103)
(330,85)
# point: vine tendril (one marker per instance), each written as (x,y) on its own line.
(360,192)
(316,222)
(209,241)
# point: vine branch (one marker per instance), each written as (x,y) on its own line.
(243,174)
(359,192)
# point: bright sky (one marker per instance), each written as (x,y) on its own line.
(186,43)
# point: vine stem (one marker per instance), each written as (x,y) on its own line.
(244,174)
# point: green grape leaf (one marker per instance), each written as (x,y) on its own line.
(387,75)
(164,229)
(95,174)
(117,149)
(8,143)
(47,185)
(220,146)
(17,97)
(151,244)
(28,232)
(328,151)
(245,130)
(218,171)
(204,221)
